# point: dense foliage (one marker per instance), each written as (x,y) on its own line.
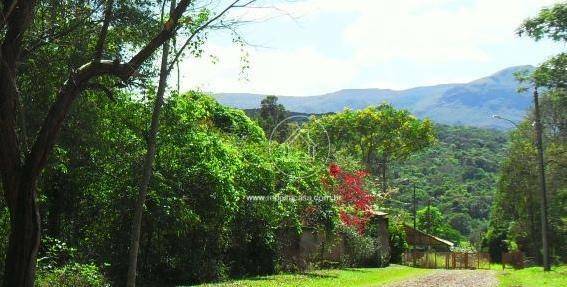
(457,175)
(200,225)
(203,218)
(516,214)
(398,239)
(376,136)
(73,275)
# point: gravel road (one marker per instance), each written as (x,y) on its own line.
(453,278)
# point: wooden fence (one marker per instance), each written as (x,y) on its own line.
(446,260)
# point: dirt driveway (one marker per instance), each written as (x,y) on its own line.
(453,278)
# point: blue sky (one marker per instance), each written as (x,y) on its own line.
(310,47)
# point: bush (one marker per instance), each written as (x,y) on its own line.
(495,240)
(54,253)
(398,241)
(360,250)
(72,275)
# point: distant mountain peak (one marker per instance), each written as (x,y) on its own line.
(470,103)
(506,76)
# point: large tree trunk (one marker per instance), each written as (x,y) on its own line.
(18,182)
(20,170)
(24,236)
(148,165)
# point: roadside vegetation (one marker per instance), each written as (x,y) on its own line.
(515,220)
(533,277)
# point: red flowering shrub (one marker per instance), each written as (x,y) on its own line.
(355,201)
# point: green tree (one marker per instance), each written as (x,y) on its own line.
(551,22)
(23,40)
(398,240)
(67,48)
(271,115)
(431,220)
(377,135)
(200,225)
(515,215)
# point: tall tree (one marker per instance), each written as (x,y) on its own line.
(549,23)
(28,30)
(21,169)
(148,162)
(378,135)
(271,115)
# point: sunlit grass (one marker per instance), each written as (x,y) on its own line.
(336,277)
(533,277)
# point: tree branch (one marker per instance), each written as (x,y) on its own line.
(79,80)
(168,30)
(202,27)
(7,12)
(104,30)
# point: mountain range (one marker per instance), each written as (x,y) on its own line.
(470,104)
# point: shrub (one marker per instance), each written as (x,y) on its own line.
(398,241)
(495,240)
(359,249)
(72,275)
(55,253)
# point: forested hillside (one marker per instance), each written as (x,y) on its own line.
(470,104)
(457,175)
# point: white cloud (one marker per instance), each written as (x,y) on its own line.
(297,72)
(383,33)
(427,32)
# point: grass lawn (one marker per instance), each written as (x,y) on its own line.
(336,277)
(533,276)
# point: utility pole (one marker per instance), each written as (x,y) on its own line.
(429,216)
(541,166)
(414,208)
